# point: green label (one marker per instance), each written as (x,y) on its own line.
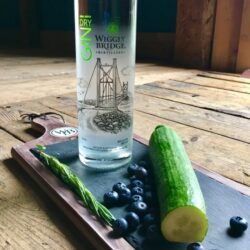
(85,30)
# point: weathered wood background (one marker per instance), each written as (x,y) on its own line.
(210,111)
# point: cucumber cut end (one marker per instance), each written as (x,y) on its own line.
(185,224)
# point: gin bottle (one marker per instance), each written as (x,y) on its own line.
(105,59)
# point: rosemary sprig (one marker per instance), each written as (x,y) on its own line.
(67,176)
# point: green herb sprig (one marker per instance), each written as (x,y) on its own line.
(67,176)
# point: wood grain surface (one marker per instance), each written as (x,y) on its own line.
(59,193)
(226,34)
(224,76)
(194,32)
(28,219)
(220,84)
(212,117)
(204,97)
(221,124)
(243,59)
(96,233)
(28,78)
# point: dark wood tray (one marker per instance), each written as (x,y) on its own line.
(224,198)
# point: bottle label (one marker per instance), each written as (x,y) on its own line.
(105,48)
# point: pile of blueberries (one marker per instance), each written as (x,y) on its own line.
(141,204)
(138,195)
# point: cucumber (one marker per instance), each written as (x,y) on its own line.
(182,206)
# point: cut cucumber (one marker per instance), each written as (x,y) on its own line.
(182,206)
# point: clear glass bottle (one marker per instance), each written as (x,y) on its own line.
(105,59)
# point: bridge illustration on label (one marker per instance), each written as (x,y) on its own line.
(107,95)
(105,89)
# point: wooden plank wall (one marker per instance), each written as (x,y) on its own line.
(210,34)
(226,34)
(194,33)
(213,34)
(231,44)
(243,59)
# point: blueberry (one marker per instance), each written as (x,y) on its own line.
(136,197)
(153,232)
(120,226)
(137,183)
(139,207)
(132,168)
(118,187)
(141,173)
(137,190)
(148,220)
(124,195)
(133,220)
(195,246)
(111,198)
(238,224)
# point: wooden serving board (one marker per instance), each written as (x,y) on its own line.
(224,198)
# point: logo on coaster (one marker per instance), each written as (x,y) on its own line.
(64,132)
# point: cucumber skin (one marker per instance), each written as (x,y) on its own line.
(177,184)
